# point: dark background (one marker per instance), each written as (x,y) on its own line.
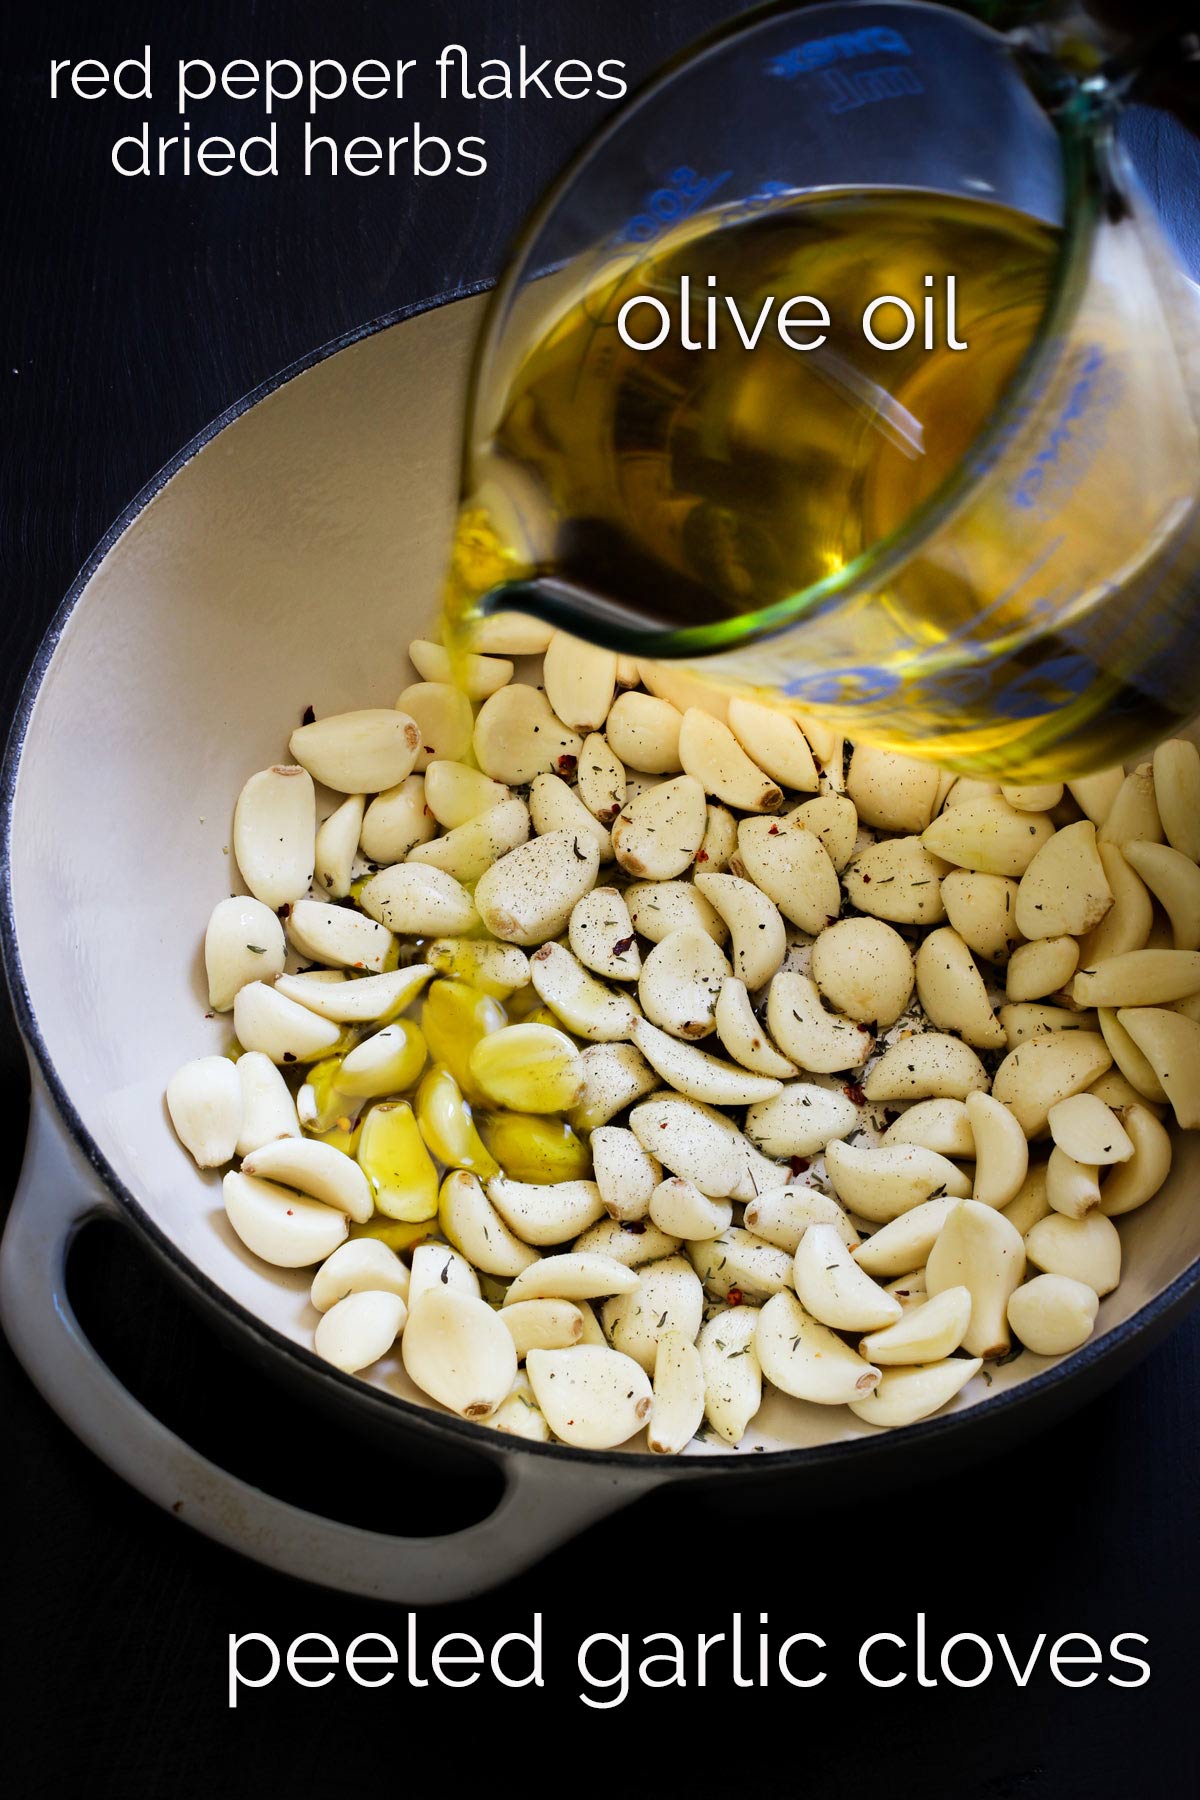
(132,313)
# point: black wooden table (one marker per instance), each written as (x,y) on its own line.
(134,311)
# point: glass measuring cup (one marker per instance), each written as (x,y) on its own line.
(1027,601)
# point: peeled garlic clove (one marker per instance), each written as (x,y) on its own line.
(909,1289)
(941,1125)
(443,716)
(337,844)
(979,1249)
(678,1394)
(1087,1130)
(601,778)
(906,1241)
(286,1032)
(881,1183)
(338,935)
(268,1110)
(759,942)
(553,806)
(358,1330)
(274,834)
(732,1375)
(644,732)
(630,1243)
(1041,968)
(711,755)
(614,1076)
(1127,923)
(545,1213)
(892,792)
(1133,815)
(593,1399)
(418,901)
(528,895)
(518,736)
(927,1066)
(580,679)
(952,991)
(864,969)
(542,1325)
(317,1170)
(1072,1188)
(505,633)
(800,1120)
(1096,793)
(988,836)
(923,1334)
(832,819)
(906,1395)
(366,1002)
(459,1352)
(359,1266)
(1052,1314)
(453,794)
(1139,978)
(1132,1063)
(737,1262)
(435,1267)
(244,942)
(805,1359)
(691,1141)
(204,1099)
(781,1216)
(531,1068)
(585,1005)
(467,850)
(719,844)
(774,743)
(1001,1151)
(281,1226)
(658,908)
(535,1147)
(680,980)
(520,1416)
(668,1297)
(625,1174)
(695,1073)
(601,935)
(1174,880)
(399,819)
(812,1038)
(1177,795)
(835,1289)
(792,868)
(682,1211)
(481,676)
(1030,1019)
(497,970)
(572,1275)
(1064,889)
(982,909)
(658,834)
(1088,1249)
(358,752)
(1031,1203)
(1043,1070)
(473,1226)
(446,1127)
(1170,1042)
(743,1036)
(1134,1182)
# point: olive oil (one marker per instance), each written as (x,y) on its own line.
(696,486)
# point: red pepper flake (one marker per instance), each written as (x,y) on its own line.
(622,945)
(734,1296)
(568,764)
(798,1164)
(290,1213)
(702,856)
(866,879)
(636,1226)
(308,716)
(774,831)
(853,1091)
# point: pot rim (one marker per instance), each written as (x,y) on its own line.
(374,1402)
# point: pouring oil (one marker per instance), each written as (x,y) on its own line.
(697,486)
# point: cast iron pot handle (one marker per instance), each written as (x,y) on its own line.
(545,1500)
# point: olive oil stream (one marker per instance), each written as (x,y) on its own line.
(704,485)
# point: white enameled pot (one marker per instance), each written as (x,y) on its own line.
(285,560)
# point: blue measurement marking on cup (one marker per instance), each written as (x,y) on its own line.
(848,89)
(1076,437)
(684,192)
